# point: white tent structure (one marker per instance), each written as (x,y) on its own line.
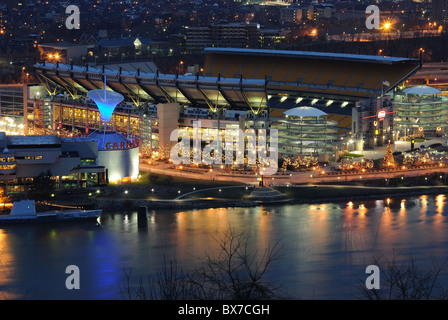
(304,112)
(421,90)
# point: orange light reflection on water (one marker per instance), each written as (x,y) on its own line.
(440,203)
(439,218)
(6,259)
(201,230)
(423,205)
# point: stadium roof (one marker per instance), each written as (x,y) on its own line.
(146,67)
(212,92)
(307,54)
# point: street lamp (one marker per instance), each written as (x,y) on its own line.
(422,50)
(386,27)
(54,56)
(181,63)
(260,179)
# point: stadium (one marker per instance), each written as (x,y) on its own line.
(321,103)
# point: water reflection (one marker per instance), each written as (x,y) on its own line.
(6,261)
(440,200)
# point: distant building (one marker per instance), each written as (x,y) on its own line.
(197,38)
(234,35)
(320,11)
(271,38)
(1,19)
(64,53)
(439,10)
(120,49)
(291,14)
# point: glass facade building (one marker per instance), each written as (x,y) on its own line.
(421,112)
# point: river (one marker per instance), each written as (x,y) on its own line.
(325,248)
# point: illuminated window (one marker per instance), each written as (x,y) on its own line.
(7,167)
(88,162)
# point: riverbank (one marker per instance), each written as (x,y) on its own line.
(294,195)
(156,191)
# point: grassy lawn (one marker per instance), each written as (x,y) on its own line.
(163,187)
(352,155)
(157,186)
(155,179)
(225,193)
(418,140)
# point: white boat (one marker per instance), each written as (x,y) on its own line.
(25,212)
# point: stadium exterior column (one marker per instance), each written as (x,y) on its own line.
(168,115)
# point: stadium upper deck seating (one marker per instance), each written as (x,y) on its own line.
(343,74)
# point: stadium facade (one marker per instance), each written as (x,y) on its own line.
(239,88)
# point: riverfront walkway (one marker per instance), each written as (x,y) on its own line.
(307,177)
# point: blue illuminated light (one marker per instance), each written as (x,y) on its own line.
(106,101)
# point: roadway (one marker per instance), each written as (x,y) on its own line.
(285,178)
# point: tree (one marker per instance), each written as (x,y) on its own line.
(146,149)
(388,160)
(232,273)
(286,163)
(153,177)
(4,198)
(404,280)
(42,185)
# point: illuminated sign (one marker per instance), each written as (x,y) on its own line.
(123,145)
(380,114)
